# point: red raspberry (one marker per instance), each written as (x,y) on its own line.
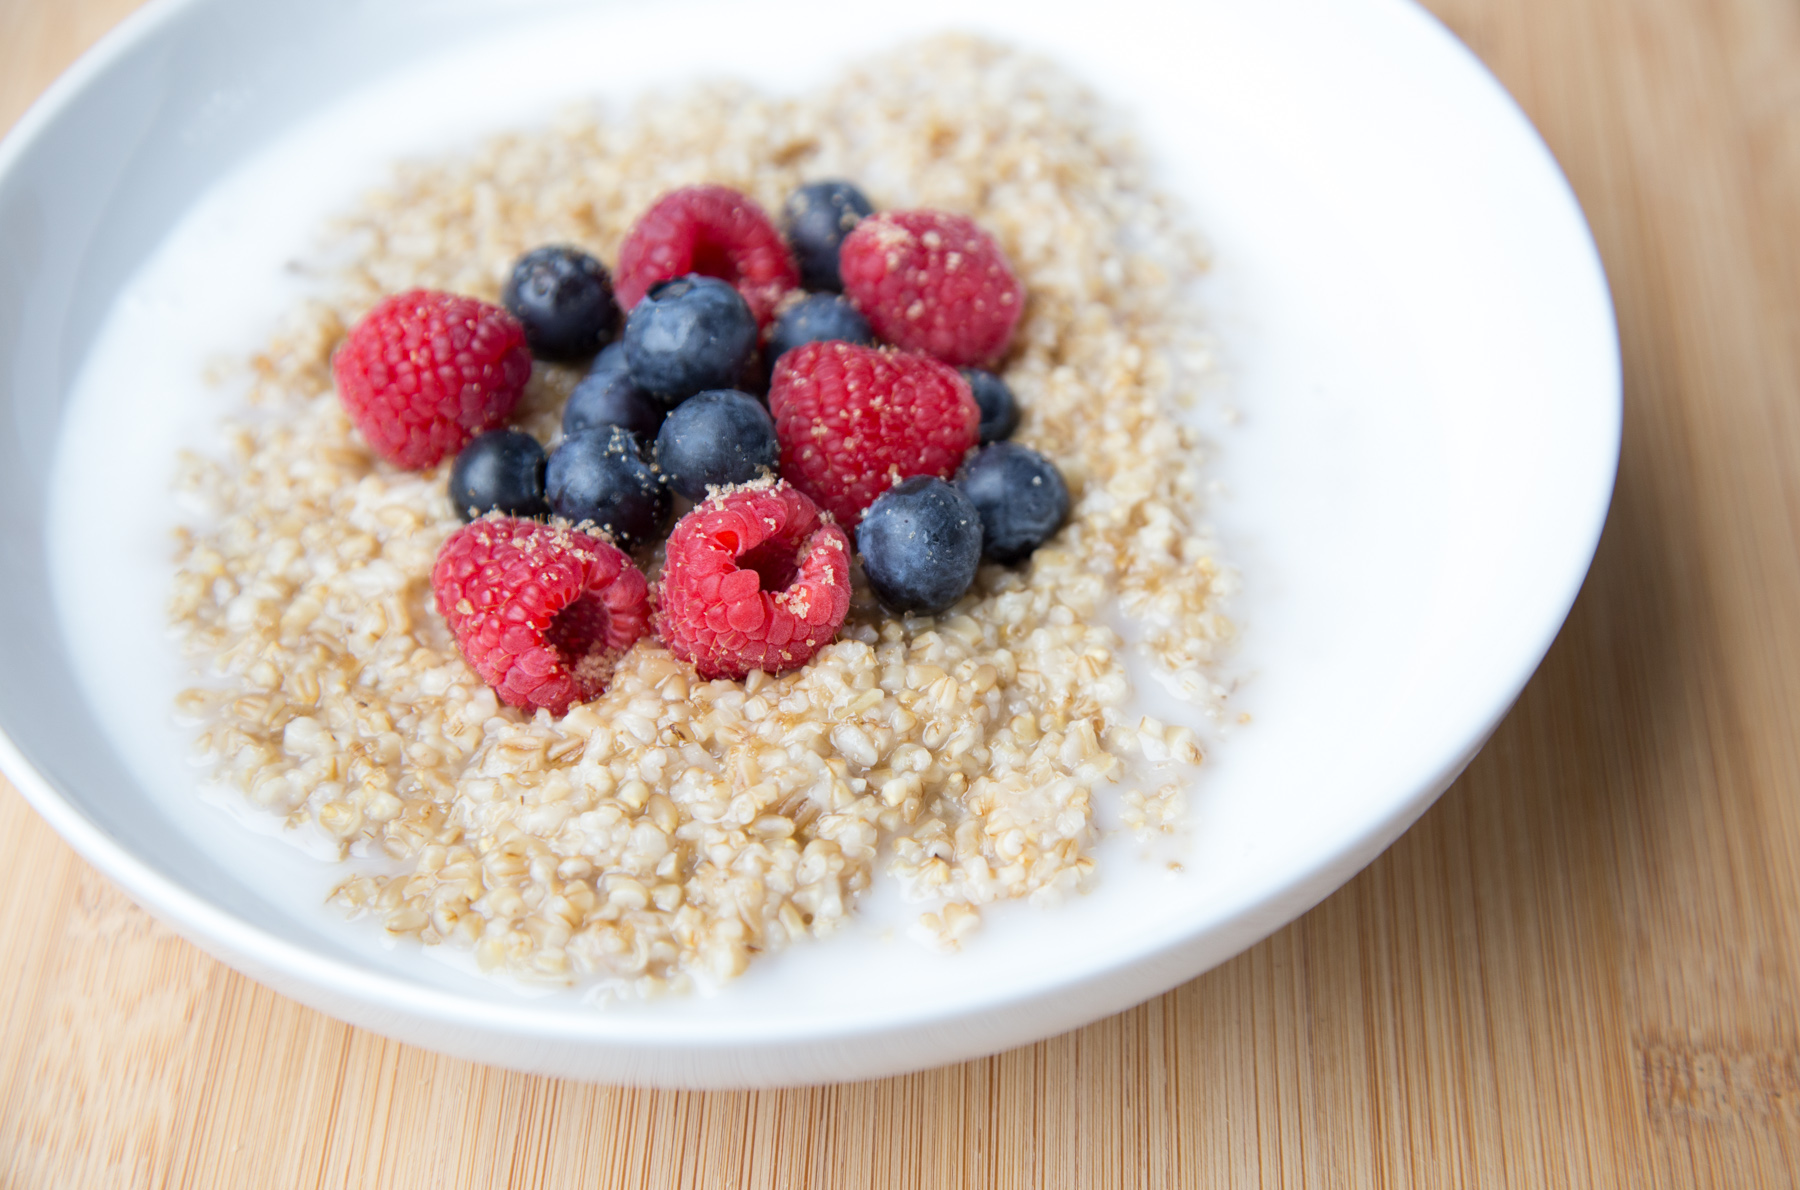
(754,578)
(424,372)
(933,282)
(712,230)
(854,421)
(541,611)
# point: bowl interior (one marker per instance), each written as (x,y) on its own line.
(1411,320)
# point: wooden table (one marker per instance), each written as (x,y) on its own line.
(1582,968)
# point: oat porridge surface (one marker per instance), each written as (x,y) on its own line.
(671,829)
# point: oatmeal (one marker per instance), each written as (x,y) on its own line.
(672,828)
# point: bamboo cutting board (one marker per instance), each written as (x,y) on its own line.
(1582,968)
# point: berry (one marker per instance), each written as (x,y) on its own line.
(597,476)
(714,231)
(818,216)
(687,336)
(754,578)
(715,439)
(542,612)
(920,544)
(855,420)
(563,298)
(933,282)
(815,319)
(501,471)
(607,397)
(1020,496)
(424,372)
(999,409)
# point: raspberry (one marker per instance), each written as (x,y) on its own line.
(853,421)
(541,611)
(424,372)
(933,282)
(754,578)
(714,231)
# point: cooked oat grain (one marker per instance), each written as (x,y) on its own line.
(673,828)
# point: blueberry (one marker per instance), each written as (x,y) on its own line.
(688,335)
(999,411)
(818,216)
(717,438)
(1020,495)
(816,317)
(564,299)
(501,471)
(599,475)
(607,397)
(920,543)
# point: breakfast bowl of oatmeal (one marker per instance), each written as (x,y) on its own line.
(717,545)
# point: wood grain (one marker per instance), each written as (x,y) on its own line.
(1582,968)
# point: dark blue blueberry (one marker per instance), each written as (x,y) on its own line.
(564,299)
(607,397)
(716,438)
(818,216)
(1020,495)
(815,317)
(599,475)
(688,335)
(920,544)
(501,471)
(999,411)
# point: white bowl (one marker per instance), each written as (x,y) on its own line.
(1414,323)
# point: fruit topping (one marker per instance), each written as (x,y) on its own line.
(598,476)
(1020,496)
(423,372)
(716,439)
(714,231)
(920,544)
(999,409)
(688,335)
(757,576)
(564,299)
(542,612)
(817,217)
(853,421)
(817,318)
(606,396)
(933,282)
(501,471)
(754,578)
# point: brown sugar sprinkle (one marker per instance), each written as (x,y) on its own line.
(672,828)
